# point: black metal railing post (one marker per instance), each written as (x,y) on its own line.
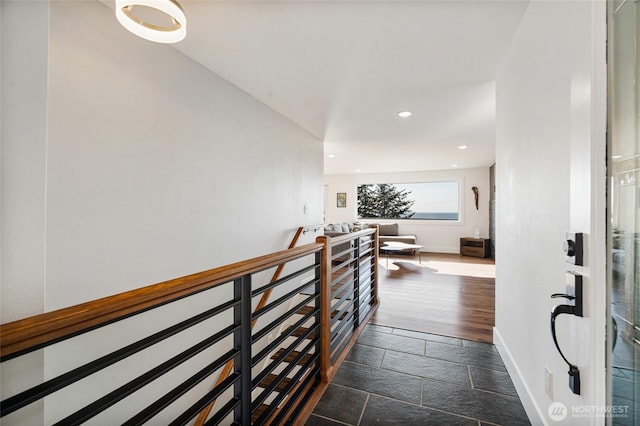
(318,302)
(242,340)
(237,344)
(356,284)
(246,353)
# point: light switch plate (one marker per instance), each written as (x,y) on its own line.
(548,382)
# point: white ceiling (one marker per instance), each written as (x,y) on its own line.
(342,70)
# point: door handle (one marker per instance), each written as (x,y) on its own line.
(574,297)
(574,372)
(566,296)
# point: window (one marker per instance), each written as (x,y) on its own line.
(418,201)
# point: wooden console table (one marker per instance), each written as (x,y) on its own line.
(476,247)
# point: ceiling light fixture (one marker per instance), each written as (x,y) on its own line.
(463,146)
(454,165)
(331,156)
(404,114)
(172,33)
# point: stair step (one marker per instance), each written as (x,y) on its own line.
(267,381)
(306,310)
(300,331)
(337,286)
(258,412)
(292,356)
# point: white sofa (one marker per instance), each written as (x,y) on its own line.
(389,232)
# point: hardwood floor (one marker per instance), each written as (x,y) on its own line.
(447,294)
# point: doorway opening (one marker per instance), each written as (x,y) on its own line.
(624,212)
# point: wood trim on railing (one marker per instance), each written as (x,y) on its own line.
(39,330)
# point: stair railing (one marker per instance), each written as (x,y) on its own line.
(264,299)
(168,359)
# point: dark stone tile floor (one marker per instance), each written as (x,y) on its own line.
(401,377)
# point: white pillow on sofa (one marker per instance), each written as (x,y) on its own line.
(389,229)
(334,227)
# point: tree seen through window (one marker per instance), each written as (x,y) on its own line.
(421,201)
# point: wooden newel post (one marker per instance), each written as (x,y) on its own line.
(325,308)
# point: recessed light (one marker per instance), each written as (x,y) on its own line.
(454,165)
(616,157)
(404,114)
(331,156)
(357,170)
(463,146)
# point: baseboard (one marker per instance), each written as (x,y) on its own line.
(435,249)
(536,417)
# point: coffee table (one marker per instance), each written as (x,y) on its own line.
(392,247)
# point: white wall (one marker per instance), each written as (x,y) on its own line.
(156,167)
(550,177)
(438,237)
(23,87)
(125,163)
(23,150)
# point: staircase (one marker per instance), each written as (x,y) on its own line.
(344,320)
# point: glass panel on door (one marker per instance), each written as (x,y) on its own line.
(624,212)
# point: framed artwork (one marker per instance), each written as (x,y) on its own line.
(341,199)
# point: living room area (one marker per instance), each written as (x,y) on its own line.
(432,332)
(431,289)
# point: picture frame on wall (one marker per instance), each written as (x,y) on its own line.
(341,199)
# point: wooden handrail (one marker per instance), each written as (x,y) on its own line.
(37,331)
